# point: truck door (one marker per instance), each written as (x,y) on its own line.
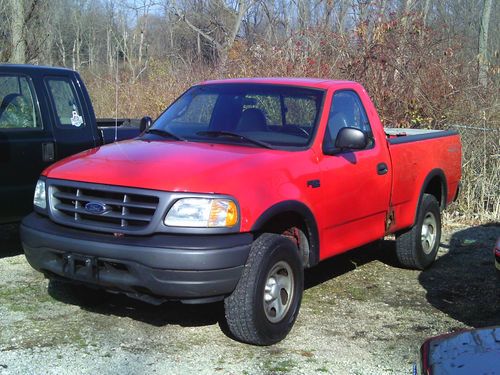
(356,184)
(26,145)
(73,126)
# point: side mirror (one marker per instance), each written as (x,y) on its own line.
(145,123)
(351,139)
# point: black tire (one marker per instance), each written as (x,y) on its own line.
(248,315)
(411,248)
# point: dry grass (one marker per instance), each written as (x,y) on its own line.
(479,200)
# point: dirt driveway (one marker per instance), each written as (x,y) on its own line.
(361,314)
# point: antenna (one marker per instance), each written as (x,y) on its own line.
(116,97)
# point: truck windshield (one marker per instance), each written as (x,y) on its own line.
(256,115)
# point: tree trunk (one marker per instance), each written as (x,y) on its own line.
(427,8)
(18,55)
(77,47)
(304,14)
(341,16)
(47,50)
(242,9)
(109,51)
(73,61)
(198,45)
(408,7)
(483,43)
(381,15)
(286,19)
(62,49)
(141,44)
(328,10)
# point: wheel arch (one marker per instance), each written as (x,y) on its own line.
(290,214)
(435,184)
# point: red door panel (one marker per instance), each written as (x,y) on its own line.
(356,194)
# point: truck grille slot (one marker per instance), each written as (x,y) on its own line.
(103,208)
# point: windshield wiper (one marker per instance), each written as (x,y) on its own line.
(164,133)
(223,133)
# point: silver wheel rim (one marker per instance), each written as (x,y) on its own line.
(429,232)
(278,292)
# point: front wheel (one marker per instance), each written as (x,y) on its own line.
(263,307)
(418,246)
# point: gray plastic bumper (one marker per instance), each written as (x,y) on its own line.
(172,266)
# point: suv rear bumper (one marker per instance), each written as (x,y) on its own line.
(179,267)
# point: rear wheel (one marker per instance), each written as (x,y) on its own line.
(263,307)
(417,247)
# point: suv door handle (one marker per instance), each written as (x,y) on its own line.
(382,168)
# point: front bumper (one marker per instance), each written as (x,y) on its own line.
(177,267)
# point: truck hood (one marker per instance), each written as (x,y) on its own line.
(170,165)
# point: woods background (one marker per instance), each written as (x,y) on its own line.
(425,63)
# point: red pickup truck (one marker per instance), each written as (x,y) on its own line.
(235,189)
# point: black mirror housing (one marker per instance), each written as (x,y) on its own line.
(145,123)
(351,139)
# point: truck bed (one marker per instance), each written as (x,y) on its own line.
(418,156)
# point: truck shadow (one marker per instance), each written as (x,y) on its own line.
(10,242)
(168,313)
(462,283)
(383,251)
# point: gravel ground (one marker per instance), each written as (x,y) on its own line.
(361,314)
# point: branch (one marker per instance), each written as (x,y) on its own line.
(196,29)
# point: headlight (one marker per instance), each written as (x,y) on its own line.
(39,199)
(202,213)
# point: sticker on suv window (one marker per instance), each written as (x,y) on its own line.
(76,119)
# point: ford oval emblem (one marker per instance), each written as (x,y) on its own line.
(96,208)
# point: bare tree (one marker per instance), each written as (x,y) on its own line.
(18,54)
(483,43)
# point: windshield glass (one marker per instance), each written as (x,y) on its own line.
(249,114)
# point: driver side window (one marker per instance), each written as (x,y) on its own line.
(17,103)
(347,111)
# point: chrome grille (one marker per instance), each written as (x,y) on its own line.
(125,209)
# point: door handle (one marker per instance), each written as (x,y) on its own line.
(314,184)
(382,168)
(48,152)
